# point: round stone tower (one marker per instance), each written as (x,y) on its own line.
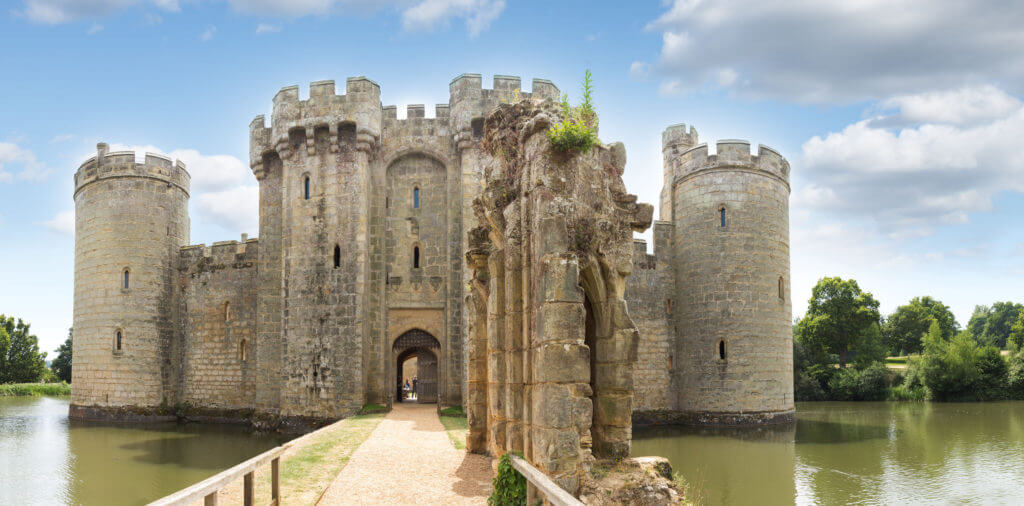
(130,221)
(733,311)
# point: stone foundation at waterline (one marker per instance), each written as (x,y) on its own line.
(365,222)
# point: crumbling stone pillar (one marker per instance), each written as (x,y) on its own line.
(550,258)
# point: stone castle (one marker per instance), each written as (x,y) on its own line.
(366,256)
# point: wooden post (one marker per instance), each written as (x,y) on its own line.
(210,499)
(247,499)
(275,488)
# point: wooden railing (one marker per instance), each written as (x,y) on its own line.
(537,481)
(208,488)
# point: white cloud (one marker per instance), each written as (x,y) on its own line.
(964,106)
(267,28)
(234,208)
(416,14)
(291,8)
(430,13)
(62,223)
(840,51)
(208,33)
(913,179)
(53,12)
(61,138)
(639,70)
(94,29)
(31,170)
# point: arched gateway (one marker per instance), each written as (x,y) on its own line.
(422,345)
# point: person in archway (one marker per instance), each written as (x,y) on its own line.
(414,381)
(405,389)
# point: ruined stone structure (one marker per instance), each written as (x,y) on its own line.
(364,259)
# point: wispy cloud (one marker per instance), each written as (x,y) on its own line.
(835,51)
(267,28)
(208,33)
(94,29)
(62,223)
(12,154)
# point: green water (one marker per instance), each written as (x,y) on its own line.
(47,459)
(856,453)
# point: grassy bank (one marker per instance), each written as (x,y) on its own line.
(454,421)
(34,389)
(309,467)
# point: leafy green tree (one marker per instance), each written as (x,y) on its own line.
(871,348)
(838,316)
(22,362)
(61,366)
(905,326)
(1015,341)
(949,368)
(992,325)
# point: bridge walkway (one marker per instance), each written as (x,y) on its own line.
(408,459)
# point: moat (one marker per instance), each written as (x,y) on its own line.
(856,453)
(837,453)
(45,458)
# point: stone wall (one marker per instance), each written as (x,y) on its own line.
(218,308)
(649,297)
(130,218)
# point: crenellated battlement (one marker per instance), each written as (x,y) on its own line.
(731,154)
(359,106)
(122,164)
(471,101)
(241,253)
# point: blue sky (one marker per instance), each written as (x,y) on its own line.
(902,119)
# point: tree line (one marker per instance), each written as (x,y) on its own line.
(841,346)
(20,358)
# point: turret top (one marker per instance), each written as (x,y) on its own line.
(121,164)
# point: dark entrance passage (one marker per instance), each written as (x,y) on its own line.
(420,344)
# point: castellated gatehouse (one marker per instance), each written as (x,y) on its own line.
(511,275)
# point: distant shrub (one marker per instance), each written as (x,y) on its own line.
(1015,376)
(992,374)
(34,389)
(873,383)
(369,409)
(807,388)
(905,393)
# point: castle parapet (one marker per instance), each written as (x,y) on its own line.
(732,155)
(471,101)
(122,164)
(359,105)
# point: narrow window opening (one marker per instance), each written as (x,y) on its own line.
(668,306)
(127,281)
(117,340)
(416,197)
(337,256)
(782,288)
(241,350)
(227,311)
(721,215)
(306,187)
(478,127)
(387,202)
(721,350)
(416,257)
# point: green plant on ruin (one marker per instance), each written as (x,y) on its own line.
(509,485)
(577,132)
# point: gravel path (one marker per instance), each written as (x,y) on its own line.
(410,460)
